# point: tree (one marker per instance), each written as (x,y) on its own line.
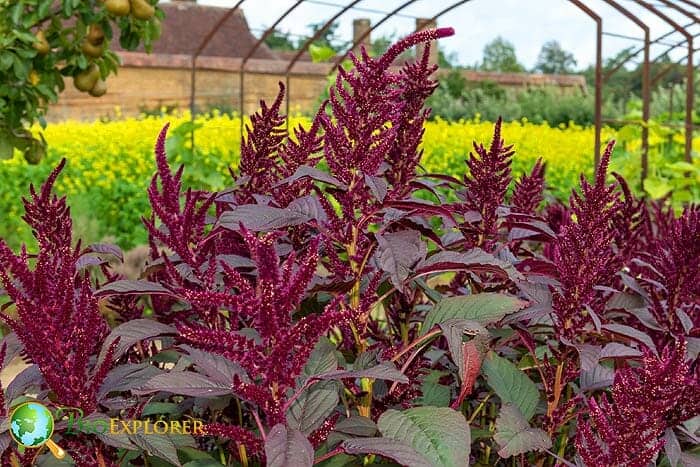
(499,55)
(328,37)
(279,40)
(555,60)
(44,41)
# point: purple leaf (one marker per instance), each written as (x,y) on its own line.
(632,333)
(386,371)
(131,332)
(589,356)
(617,350)
(356,426)
(287,447)
(261,218)
(316,174)
(217,368)
(187,383)
(598,378)
(390,448)
(313,406)
(28,378)
(454,331)
(310,207)
(475,260)
(132,287)
(126,377)
(377,186)
(398,252)
(672,447)
(107,249)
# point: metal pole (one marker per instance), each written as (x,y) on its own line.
(646,88)
(196,54)
(690,70)
(598,117)
(256,46)
(305,47)
(359,40)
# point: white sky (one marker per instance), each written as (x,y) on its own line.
(526,23)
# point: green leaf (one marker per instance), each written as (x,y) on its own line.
(155,408)
(515,436)
(511,384)
(656,188)
(484,308)
(438,433)
(321,53)
(322,359)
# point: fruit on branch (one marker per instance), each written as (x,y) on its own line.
(86,80)
(118,7)
(141,9)
(41,45)
(95,35)
(92,50)
(99,89)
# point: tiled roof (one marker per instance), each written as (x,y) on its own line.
(186,24)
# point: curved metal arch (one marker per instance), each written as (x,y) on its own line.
(256,46)
(646,84)
(305,47)
(690,71)
(198,51)
(681,10)
(633,54)
(364,36)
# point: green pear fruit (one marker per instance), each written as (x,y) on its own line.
(118,7)
(92,50)
(85,80)
(99,89)
(41,45)
(141,9)
(95,35)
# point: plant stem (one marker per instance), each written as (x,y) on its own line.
(328,455)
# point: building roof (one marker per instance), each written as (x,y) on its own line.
(186,24)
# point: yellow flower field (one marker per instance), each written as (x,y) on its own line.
(111,163)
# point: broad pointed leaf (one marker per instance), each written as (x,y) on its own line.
(475,260)
(287,447)
(132,287)
(395,450)
(187,383)
(398,252)
(313,406)
(515,436)
(484,308)
(131,332)
(511,384)
(440,434)
(386,371)
(260,218)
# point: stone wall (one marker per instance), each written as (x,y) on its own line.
(149,82)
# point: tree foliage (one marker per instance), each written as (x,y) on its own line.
(555,60)
(44,41)
(499,55)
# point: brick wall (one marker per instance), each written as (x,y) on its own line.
(147,82)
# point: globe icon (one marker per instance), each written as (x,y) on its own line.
(31,424)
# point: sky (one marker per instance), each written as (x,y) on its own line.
(526,23)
